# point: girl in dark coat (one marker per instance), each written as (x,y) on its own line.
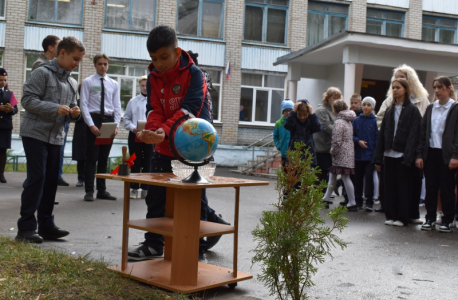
(79,146)
(8,108)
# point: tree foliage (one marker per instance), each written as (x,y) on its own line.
(293,239)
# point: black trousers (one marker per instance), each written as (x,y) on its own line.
(40,185)
(398,189)
(416,193)
(381,186)
(156,200)
(324,161)
(96,157)
(364,170)
(439,177)
(142,162)
(80,168)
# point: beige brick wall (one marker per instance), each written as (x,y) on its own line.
(166,13)
(233,35)
(13,56)
(93,24)
(357,16)
(297,30)
(413,20)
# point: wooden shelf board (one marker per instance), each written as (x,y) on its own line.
(164,226)
(157,272)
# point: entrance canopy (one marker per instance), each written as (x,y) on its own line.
(344,59)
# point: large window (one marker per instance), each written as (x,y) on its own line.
(31,58)
(127,76)
(56,11)
(324,20)
(2,8)
(134,15)
(201,18)
(261,98)
(389,23)
(266,21)
(439,30)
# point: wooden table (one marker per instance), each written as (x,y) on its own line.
(180,270)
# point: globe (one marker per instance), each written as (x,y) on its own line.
(196,140)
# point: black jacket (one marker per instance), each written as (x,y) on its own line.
(405,139)
(449,137)
(303,132)
(6,119)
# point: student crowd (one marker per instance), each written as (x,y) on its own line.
(408,145)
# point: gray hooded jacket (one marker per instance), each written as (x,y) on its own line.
(48,87)
(324,137)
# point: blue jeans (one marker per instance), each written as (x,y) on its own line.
(62,151)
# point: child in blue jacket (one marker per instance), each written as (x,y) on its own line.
(365,134)
(281,135)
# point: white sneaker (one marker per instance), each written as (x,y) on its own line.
(439,218)
(144,192)
(133,194)
(398,223)
(389,222)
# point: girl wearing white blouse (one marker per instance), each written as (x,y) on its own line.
(437,153)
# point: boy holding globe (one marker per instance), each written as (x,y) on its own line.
(175,87)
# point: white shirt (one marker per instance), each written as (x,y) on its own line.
(90,98)
(438,117)
(135,111)
(397,114)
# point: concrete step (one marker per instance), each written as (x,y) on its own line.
(251,163)
(242,168)
(266,175)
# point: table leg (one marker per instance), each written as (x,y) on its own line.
(236,230)
(186,226)
(168,240)
(125,229)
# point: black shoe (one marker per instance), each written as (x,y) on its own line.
(52,233)
(352,208)
(343,203)
(105,196)
(379,210)
(56,202)
(2,179)
(428,225)
(445,227)
(369,208)
(213,240)
(143,253)
(62,182)
(29,236)
(79,184)
(89,197)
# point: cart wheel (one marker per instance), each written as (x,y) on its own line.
(232,285)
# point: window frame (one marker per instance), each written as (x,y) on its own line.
(439,27)
(262,88)
(4,10)
(385,21)
(130,19)
(26,69)
(326,20)
(266,7)
(220,85)
(54,21)
(200,20)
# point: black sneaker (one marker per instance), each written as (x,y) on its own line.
(105,196)
(213,240)
(89,197)
(445,227)
(369,208)
(343,203)
(53,233)
(62,182)
(353,208)
(143,252)
(428,225)
(29,236)
(79,184)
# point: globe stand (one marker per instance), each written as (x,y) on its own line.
(195,177)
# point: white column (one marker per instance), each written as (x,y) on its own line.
(349,81)
(292,90)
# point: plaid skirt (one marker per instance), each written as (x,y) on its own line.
(342,170)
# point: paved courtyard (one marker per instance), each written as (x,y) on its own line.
(380,262)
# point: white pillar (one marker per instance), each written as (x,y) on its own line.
(292,90)
(349,81)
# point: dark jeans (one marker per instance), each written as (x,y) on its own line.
(96,157)
(416,193)
(62,148)
(438,176)
(324,161)
(40,185)
(398,189)
(142,162)
(156,199)
(80,168)
(364,170)
(381,186)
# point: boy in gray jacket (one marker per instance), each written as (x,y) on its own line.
(49,101)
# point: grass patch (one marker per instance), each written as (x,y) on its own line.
(27,272)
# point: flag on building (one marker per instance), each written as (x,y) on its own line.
(228,69)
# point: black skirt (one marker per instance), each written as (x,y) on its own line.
(5,138)
(79,141)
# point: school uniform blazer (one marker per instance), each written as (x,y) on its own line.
(6,119)
(449,137)
(405,139)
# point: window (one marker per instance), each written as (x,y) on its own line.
(2,8)
(265,21)
(31,58)
(127,76)
(324,20)
(389,23)
(261,98)
(57,11)
(201,18)
(439,30)
(136,15)
(215,92)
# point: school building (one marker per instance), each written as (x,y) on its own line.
(276,49)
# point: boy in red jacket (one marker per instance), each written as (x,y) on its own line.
(175,87)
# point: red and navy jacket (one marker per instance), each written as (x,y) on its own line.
(174,94)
